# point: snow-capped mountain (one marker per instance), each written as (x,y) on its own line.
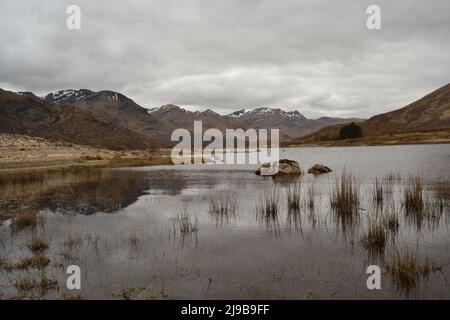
(238,114)
(68,96)
(160,122)
(266,112)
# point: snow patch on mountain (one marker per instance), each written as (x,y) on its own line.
(67,96)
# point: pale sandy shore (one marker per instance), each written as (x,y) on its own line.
(19,152)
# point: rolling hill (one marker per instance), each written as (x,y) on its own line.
(428,115)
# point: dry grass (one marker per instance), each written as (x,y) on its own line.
(293,197)
(38,261)
(413,201)
(223,207)
(43,283)
(183,227)
(378,193)
(26,284)
(391,222)
(375,240)
(269,206)
(442,195)
(37,245)
(25,219)
(406,271)
(311,196)
(345,200)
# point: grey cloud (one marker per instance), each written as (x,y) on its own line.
(315,56)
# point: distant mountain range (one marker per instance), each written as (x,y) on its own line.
(430,113)
(109,119)
(160,122)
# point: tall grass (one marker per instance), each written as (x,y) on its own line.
(419,208)
(311,197)
(406,271)
(391,222)
(268,208)
(293,197)
(413,200)
(183,227)
(345,200)
(375,240)
(442,196)
(223,207)
(377,193)
(268,211)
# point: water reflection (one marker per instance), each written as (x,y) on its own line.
(171,233)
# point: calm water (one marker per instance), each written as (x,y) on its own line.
(149,232)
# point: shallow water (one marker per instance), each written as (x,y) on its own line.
(149,232)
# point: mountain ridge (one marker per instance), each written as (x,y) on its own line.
(427,114)
(33,116)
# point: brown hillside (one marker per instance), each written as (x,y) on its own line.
(430,113)
(29,115)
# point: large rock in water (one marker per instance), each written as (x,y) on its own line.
(282,167)
(319,169)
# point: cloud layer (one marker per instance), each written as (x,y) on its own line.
(315,56)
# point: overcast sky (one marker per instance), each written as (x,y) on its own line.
(315,56)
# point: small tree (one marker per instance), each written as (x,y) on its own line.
(350,131)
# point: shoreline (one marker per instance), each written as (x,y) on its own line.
(330,144)
(20,153)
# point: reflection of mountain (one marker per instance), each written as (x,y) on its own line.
(93,191)
(110,192)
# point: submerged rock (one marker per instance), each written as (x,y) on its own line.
(284,166)
(319,169)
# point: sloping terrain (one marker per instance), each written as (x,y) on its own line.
(32,116)
(428,114)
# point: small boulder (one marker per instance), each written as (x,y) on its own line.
(286,166)
(319,169)
(282,167)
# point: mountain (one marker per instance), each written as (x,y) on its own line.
(67,96)
(430,113)
(260,114)
(121,110)
(159,123)
(29,115)
(290,123)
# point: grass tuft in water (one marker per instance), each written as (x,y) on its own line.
(269,205)
(293,197)
(223,207)
(375,240)
(345,200)
(406,271)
